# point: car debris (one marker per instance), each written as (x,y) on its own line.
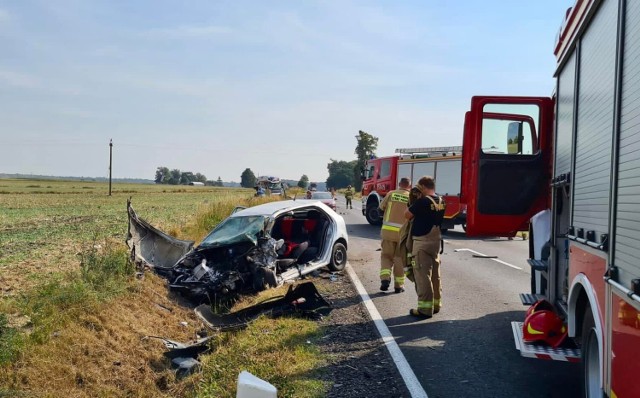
(302,301)
(253,249)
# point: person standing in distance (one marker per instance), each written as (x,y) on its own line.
(393,207)
(348,195)
(427,214)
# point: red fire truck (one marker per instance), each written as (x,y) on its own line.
(383,174)
(570,166)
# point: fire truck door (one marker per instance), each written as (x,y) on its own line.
(506,162)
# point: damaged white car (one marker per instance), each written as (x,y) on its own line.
(254,248)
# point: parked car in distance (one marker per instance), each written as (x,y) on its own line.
(324,197)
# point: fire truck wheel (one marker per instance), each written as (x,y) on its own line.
(590,357)
(373,215)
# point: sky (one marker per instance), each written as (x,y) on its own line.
(280,87)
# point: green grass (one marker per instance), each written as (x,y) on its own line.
(280,351)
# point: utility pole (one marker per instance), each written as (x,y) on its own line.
(110,162)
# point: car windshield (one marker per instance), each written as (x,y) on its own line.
(235,230)
(321,195)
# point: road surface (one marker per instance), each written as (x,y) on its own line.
(466,350)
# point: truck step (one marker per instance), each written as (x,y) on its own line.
(538,265)
(542,351)
(528,299)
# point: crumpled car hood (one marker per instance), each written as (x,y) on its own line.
(151,246)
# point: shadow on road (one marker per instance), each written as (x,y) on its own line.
(477,357)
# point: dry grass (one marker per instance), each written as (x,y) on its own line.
(103,351)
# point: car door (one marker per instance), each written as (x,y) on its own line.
(506,163)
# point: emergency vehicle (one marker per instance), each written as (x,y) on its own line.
(442,163)
(570,167)
(272,185)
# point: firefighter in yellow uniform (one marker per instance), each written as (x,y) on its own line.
(393,205)
(427,214)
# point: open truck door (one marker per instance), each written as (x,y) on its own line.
(506,163)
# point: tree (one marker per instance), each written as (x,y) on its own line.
(201,178)
(162,175)
(248,179)
(219,182)
(340,173)
(186,177)
(304,181)
(365,150)
(174,178)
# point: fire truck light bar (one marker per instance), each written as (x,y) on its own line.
(441,149)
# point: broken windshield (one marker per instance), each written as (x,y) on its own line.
(235,230)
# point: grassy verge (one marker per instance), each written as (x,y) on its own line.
(77,322)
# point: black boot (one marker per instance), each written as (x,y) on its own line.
(384,285)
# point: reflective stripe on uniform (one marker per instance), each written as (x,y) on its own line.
(385,272)
(425,304)
(437,303)
(391,228)
(399,280)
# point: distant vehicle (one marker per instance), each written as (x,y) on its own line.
(325,197)
(272,185)
(197,183)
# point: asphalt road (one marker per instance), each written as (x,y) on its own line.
(466,350)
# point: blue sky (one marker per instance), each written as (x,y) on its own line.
(280,87)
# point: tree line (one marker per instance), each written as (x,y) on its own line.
(341,172)
(178,177)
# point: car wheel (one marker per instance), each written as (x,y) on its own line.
(338,257)
(270,278)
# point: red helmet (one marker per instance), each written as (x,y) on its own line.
(540,305)
(544,326)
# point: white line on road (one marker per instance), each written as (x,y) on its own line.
(410,379)
(484,255)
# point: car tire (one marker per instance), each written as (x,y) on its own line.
(270,278)
(338,257)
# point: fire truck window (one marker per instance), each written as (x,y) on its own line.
(510,129)
(372,168)
(385,168)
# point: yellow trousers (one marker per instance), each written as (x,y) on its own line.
(426,271)
(390,262)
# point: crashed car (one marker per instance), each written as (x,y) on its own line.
(254,248)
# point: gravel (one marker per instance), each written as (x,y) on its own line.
(360,364)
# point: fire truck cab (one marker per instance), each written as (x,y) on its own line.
(570,167)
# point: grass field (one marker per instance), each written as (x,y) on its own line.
(75,321)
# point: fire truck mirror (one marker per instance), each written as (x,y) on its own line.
(514,138)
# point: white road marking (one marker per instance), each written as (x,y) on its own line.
(484,255)
(410,379)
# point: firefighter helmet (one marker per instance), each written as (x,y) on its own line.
(544,326)
(540,305)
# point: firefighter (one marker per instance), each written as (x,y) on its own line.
(348,195)
(405,246)
(393,207)
(427,214)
